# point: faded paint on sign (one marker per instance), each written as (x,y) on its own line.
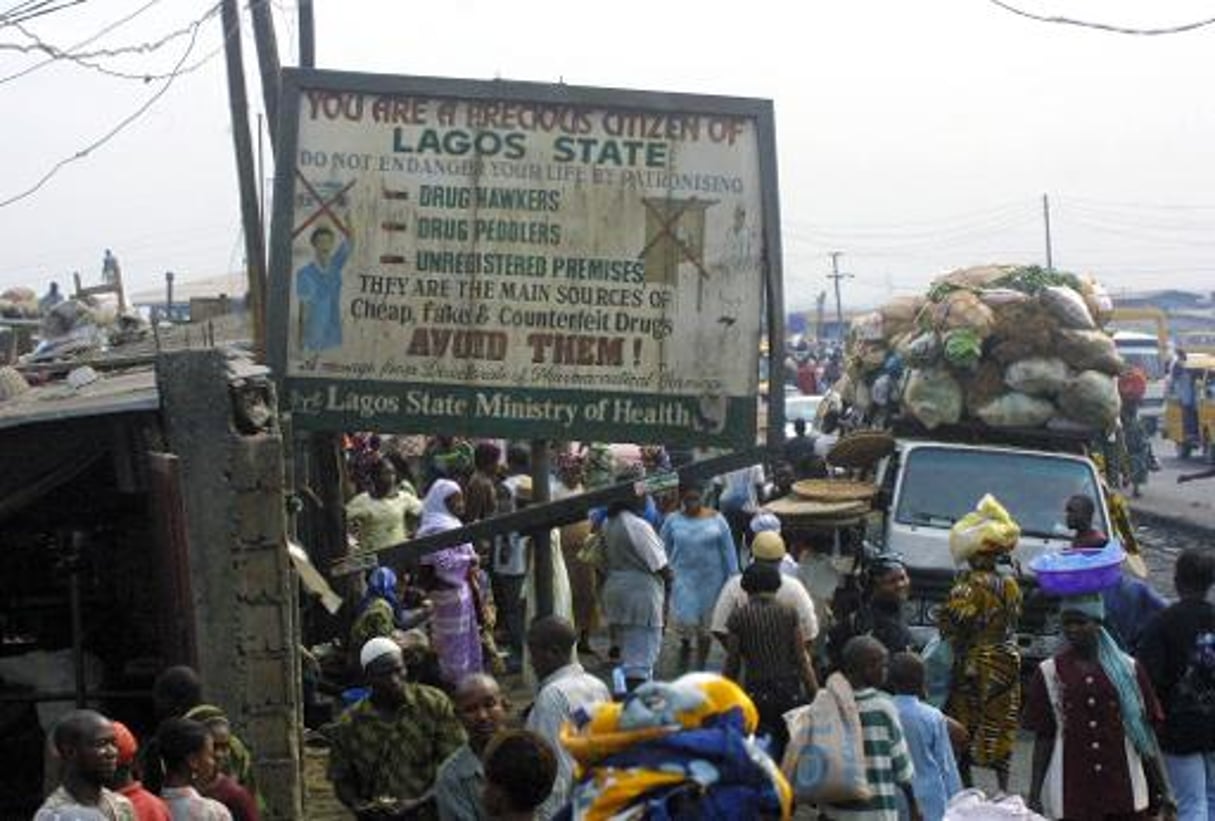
(522,269)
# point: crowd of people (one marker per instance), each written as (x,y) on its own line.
(193,767)
(1122,717)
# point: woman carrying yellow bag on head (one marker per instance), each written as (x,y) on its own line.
(979,620)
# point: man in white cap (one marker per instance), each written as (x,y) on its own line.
(386,749)
(769,547)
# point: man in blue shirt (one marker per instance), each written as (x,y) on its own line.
(318,286)
(927,732)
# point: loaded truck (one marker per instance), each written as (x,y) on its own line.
(929,483)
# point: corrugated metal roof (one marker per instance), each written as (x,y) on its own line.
(121,392)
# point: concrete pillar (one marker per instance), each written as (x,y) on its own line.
(243,584)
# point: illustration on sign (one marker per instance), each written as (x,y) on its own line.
(519,260)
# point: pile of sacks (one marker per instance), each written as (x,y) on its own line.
(1009,346)
(19,303)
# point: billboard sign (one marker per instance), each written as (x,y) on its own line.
(521,260)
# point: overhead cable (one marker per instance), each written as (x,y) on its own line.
(1068,21)
(109,135)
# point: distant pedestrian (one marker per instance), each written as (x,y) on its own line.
(1178,651)
(385,751)
(634,593)
(188,755)
(767,653)
(800,454)
(50,299)
(768,547)
(520,767)
(926,730)
(148,806)
(88,751)
(888,767)
(702,556)
(379,515)
(222,787)
(381,612)
(979,619)
(452,573)
(565,688)
(739,498)
(177,693)
(1091,709)
(460,782)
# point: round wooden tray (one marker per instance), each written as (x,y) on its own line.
(861,449)
(834,490)
(797,506)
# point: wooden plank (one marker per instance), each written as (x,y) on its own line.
(540,516)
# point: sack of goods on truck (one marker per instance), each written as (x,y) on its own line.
(1002,345)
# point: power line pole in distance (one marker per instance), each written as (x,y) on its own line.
(837,276)
(1050,262)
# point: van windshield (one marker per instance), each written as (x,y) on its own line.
(941,485)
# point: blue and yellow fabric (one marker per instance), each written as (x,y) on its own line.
(674,750)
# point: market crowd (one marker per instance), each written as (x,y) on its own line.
(428,726)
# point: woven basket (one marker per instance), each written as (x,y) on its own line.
(834,490)
(861,450)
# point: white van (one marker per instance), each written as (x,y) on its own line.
(928,485)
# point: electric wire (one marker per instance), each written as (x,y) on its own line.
(88,40)
(109,135)
(1068,21)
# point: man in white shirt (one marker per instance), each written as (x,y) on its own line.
(564,689)
(88,749)
(768,546)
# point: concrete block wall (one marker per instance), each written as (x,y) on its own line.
(243,584)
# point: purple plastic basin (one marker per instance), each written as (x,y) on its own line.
(1079,572)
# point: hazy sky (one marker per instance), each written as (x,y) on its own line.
(914,137)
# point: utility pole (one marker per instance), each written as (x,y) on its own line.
(307,35)
(837,276)
(238,104)
(1050,262)
(267,63)
(820,303)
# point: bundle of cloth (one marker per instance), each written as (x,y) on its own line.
(674,750)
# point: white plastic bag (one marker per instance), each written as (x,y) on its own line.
(974,805)
(1037,376)
(934,397)
(825,758)
(1016,410)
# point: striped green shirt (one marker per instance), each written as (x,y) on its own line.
(887,760)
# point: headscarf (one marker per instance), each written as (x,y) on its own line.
(764,521)
(436,517)
(1119,668)
(381,584)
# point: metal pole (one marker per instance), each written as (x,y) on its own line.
(307,35)
(168,317)
(542,557)
(1050,263)
(255,251)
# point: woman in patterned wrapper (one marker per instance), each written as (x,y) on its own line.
(980,620)
(455,629)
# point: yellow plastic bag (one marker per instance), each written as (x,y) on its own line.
(986,529)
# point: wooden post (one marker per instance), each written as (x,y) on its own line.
(307,35)
(267,62)
(238,104)
(542,557)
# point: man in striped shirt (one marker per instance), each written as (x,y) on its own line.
(888,766)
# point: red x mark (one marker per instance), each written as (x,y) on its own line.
(325,208)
